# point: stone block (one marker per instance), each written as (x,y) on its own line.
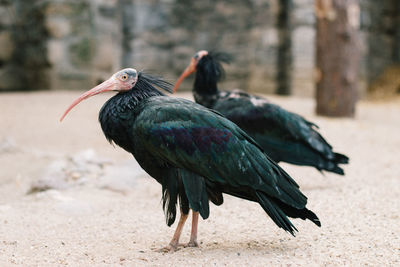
(303,43)
(56,52)
(108,11)
(178,35)
(11,78)
(7,16)
(7,46)
(269,37)
(105,56)
(82,52)
(67,8)
(304,3)
(5,2)
(261,80)
(304,16)
(182,55)
(58,27)
(72,79)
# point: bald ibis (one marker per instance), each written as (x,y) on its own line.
(285,136)
(193,152)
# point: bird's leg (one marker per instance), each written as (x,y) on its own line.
(193,233)
(173,244)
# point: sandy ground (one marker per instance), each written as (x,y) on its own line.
(100,209)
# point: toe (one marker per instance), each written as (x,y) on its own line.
(192,244)
(167,249)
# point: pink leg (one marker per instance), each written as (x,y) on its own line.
(173,245)
(193,233)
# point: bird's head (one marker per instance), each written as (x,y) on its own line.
(206,63)
(121,81)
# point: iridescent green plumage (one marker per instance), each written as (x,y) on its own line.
(285,136)
(197,154)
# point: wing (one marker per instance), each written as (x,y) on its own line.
(191,137)
(281,128)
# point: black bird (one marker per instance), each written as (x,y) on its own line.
(194,153)
(285,136)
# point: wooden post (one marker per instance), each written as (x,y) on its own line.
(337,56)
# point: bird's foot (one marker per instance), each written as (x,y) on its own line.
(192,244)
(170,248)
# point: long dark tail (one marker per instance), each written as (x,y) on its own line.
(276,209)
(196,192)
(172,190)
(333,165)
(309,157)
(279,212)
(341,159)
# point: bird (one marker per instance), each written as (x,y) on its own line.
(195,153)
(284,135)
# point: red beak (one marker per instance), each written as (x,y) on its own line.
(108,85)
(189,70)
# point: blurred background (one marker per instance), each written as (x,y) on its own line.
(75,44)
(68,197)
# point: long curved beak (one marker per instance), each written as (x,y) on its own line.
(108,85)
(189,70)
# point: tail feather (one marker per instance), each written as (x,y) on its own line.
(276,214)
(172,189)
(272,176)
(301,154)
(341,159)
(196,192)
(303,214)
(169,198)
(183,200)
(333,165)
(308,214)
(279,212)
(214,193)
(336,169)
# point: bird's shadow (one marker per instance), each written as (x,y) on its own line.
(317,187)
(248,247)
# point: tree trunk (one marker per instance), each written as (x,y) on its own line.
(337,56)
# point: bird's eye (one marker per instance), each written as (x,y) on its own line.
(124,77)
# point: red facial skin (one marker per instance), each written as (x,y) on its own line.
(190,69)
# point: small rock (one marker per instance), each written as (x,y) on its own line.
(122,177)
(77,170)
(53,178)
(8,145)
(75,175)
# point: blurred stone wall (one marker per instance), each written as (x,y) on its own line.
(74,44)
(303,47)
(166,34)
(84,42)
(23,53)
(381,31)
